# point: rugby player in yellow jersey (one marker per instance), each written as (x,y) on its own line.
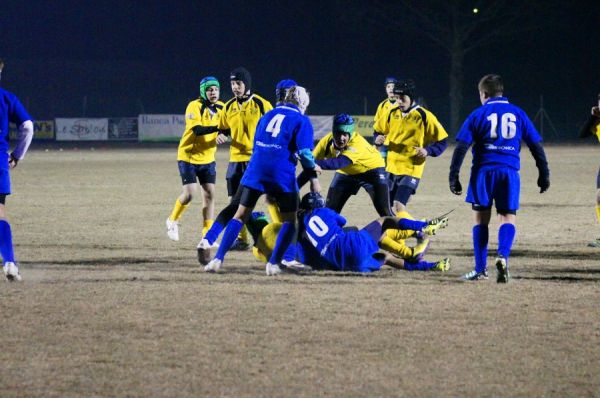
(240,117)
(196,155)
(357,165)
(414,133)
(384,107)
(592,127)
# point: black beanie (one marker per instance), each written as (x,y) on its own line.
(242,74)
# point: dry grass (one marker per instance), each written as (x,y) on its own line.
(110,307)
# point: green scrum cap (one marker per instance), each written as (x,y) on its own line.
(207,82)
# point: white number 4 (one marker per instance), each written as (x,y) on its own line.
(275,124)
(508,127)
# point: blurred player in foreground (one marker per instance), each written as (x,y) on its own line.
(283,135)
(592,127)
(495,130)
(324,243)
(196,155)
(11,111)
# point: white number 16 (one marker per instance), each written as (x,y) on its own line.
(508,127)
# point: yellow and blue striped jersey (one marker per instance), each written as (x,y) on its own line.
(416,128)
(241,119)
(362,154)
(199,149)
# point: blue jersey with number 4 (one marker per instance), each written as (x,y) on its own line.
(280,133)
(496,129)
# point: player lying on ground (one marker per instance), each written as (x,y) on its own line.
(324,243)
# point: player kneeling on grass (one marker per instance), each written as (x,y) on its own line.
(323,243)
(283,135)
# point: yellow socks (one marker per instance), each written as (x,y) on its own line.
(598,212)
(206,226)
(274,212)
(178,210)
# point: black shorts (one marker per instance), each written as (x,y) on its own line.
(235,171)
(598,180)
(287,201)
(203,173)
(352,183)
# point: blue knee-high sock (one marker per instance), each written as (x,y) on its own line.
(415,225)
(284,239)
(506,236)
(213,233)
(480,246)
(6,246)
(420,266)
(229,236)
(290,253)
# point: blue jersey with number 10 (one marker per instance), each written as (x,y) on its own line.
(280,133)
(496,129)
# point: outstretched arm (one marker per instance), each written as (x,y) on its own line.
(457,159)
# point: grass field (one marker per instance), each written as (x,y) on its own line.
(109,306)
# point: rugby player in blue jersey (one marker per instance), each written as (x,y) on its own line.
(495,130)
(11,111)
(324,243)
(283,136)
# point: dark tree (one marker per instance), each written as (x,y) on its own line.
(459,27)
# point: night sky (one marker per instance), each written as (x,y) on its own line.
(129,57)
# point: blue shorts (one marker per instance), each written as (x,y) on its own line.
(204,173)
(498,184)
(353,251)
(4,174)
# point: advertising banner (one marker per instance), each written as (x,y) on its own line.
(123,129)
(364,124)
(322,125)
(81,129)
(42,130)
(160,127)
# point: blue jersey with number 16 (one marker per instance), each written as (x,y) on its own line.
(280,133)
(496,129)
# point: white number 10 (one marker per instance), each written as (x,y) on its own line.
(508,127)
(275,124)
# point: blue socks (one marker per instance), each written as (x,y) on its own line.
(415,225)
(213,233)
(231,232)
(284,238)
(506,237)
(480,246)
(6,246)
(420,266)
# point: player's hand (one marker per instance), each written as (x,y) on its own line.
(12,161)
(379,140)
(543,182)
(318,169)
(596,111)
(455,185)
(221,139)
(421,152)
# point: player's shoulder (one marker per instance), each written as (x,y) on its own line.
(227,106)
(7,95)
(219,104)
(260,100)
